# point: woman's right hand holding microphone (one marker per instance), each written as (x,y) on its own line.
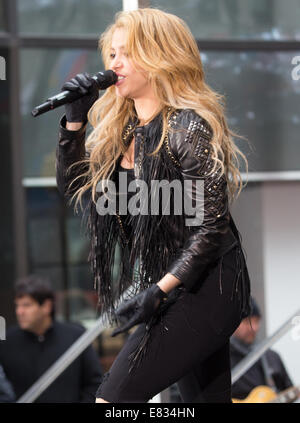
(77,110)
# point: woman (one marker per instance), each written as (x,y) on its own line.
(184,272)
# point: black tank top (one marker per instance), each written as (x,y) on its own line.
(130,177)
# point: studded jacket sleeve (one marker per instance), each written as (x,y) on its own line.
(210,238)
(70,149)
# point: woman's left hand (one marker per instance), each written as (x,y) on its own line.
(139,309)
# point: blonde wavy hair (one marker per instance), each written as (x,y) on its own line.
(162,45)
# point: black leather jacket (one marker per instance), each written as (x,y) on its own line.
(187,153)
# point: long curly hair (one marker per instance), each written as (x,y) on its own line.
(162,45)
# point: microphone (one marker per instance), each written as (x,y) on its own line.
(104,80)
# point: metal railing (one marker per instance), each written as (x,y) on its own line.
(261,348)
(63,362)
(69,356)
(88,337)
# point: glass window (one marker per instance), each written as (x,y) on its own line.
(81,295)
(262,104)
(77,241)
(58,250)
(66,17)
(2,16)
(44,227)
(219,19)
(43,72)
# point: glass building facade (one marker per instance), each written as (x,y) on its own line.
(247,48)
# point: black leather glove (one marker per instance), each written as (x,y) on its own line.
(139,309)
(77,110)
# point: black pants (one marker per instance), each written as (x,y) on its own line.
(189,345)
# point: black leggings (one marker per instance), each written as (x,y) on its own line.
(189,345)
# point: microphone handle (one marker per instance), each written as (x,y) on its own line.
(56,101)
(103,79)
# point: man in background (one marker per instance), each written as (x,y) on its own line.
(39,340)
(269,370)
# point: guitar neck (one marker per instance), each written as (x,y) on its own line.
(288,395)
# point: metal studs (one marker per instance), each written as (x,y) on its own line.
(166,139)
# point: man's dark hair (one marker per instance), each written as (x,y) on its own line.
(38,288)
